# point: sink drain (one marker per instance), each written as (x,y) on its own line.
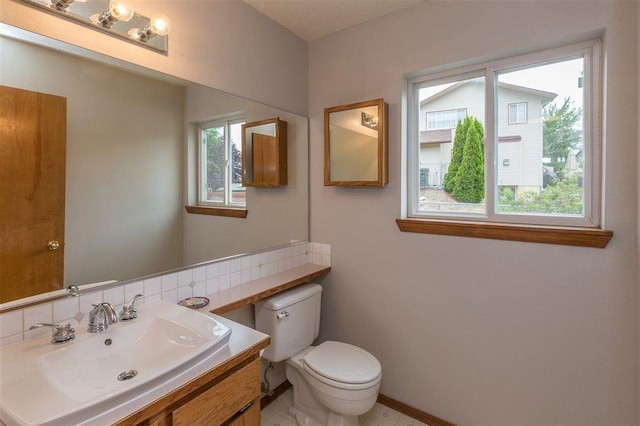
(126,375)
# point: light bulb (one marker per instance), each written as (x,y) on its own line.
(160,24)
(122,10)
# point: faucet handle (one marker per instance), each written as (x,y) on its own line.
(129,312)
(61,333)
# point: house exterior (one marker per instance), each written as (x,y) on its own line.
(520,163)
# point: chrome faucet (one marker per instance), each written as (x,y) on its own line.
(129,312)
(101,316)
(61,333)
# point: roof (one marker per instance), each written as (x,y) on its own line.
(548,96)
(445,136)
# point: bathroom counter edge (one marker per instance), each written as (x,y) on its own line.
(252,291)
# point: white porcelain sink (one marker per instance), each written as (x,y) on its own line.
(43,383)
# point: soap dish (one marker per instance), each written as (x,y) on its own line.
(194,302)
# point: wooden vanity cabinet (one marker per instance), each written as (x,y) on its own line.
(228,395)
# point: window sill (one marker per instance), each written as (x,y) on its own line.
(582,237)
(218,211)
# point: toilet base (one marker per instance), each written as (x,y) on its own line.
(307,408)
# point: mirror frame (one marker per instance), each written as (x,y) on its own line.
(382,177)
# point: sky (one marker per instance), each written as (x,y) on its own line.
(560,78)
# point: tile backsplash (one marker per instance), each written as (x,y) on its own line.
(200,280)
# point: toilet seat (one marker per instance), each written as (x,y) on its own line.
(342,365)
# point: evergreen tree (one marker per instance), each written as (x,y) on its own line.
(469,184)
(456,154)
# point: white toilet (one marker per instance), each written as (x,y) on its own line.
(334,382)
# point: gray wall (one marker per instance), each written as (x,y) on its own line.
(481,332)
(223,44)
(276,216)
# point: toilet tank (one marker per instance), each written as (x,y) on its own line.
(291,318)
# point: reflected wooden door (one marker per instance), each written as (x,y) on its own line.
(265,158)
(32,185)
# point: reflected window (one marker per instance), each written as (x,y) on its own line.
(220,163)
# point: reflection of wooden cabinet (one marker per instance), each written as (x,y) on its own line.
(264,153)
(227,395)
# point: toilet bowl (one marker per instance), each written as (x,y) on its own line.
(334,382)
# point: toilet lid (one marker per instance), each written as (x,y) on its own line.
(343,362)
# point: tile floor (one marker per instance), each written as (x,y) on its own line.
(276,414)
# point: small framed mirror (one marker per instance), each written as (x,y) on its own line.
(355,144)
(264,153)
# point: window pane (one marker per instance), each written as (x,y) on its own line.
(451,147)
(214,168)
(238,192)
(540,162)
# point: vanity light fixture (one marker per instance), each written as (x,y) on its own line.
(119,10)
(159,24)
(62,5)
(369,120)
(114,17)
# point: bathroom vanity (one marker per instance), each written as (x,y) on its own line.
(228,393)
(182,379)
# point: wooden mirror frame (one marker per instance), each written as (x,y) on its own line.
(382,177)
(272,170)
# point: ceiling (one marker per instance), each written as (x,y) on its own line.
(314,19)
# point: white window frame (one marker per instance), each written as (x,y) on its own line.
(592,53)
(517,106)
(226,122)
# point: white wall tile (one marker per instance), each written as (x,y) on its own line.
(87,300)
(255,272)
(200,289)
(199,274)
(224,282)
(246,262)
(185,277)
(170,296)
(132,289)
(169,282)
(65,309)
(11,323)
(235,265)
(213,270)
(212,286)
(224,267)
(235,279)
(114,295)
(152,298)
(246,275)
(184,292)
(37,313)
(152,286)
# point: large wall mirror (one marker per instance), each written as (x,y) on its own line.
(355,144)
(131,160)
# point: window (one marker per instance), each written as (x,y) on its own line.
(518,113)
(220,163)
(549,172)
(439,120)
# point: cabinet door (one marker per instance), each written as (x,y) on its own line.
(223,400)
